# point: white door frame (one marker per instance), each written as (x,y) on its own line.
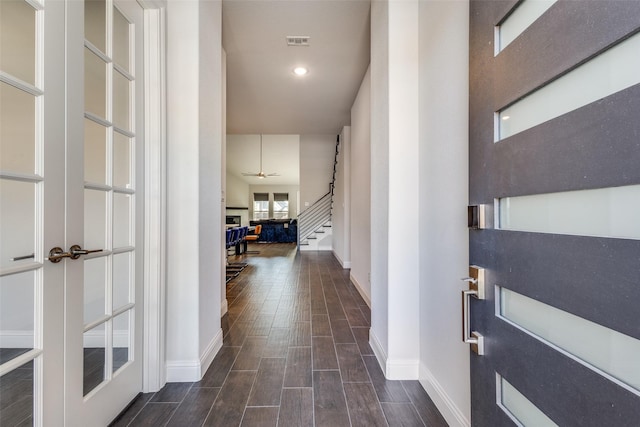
(155,205)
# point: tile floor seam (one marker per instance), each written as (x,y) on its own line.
(344,394)
(255,378)
(424,422)
(138,413)
(171,416)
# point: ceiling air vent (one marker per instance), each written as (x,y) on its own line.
(298,40)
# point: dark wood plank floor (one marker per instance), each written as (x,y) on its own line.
(295,353)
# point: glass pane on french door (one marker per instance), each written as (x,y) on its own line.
(21,210)
(109,193)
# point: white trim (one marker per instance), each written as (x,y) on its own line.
(224,307)
(378,351)
(445,404)
(403,369)
(393,369)
(193,370)
(345,264)
(360,289)
(210,352)
(155,200)
(28,266)
(179,371)
(19,84)
(17,362)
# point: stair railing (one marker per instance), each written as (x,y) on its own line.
(314,217)
(319,213)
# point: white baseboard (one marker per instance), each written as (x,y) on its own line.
(403,369)
(192,370)
(393,369)
(313,247)
(210,352)
(360,289)
(179,371)
(16,339)
(450,411)
(378,351)
(224,307)
(344,264)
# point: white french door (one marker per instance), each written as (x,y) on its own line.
(105,337)
(71,124)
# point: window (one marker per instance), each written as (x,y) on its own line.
(281,205)
(260,206)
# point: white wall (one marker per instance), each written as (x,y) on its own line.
(194,187)
(341,215)
(212,274)
(444,359)
(380,180)
(317,154)
(394,194)
(237,192)
(360,188)
(238,197)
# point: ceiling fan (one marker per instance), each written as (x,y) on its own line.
(260,174)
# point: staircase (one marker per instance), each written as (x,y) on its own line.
(314,223)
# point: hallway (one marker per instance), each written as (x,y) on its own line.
(295,353)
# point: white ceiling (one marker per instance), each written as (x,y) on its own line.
(263,94)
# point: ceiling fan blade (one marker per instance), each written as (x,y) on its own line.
(249,174)
(273,174)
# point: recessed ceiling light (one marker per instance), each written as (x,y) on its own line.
(300,71)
